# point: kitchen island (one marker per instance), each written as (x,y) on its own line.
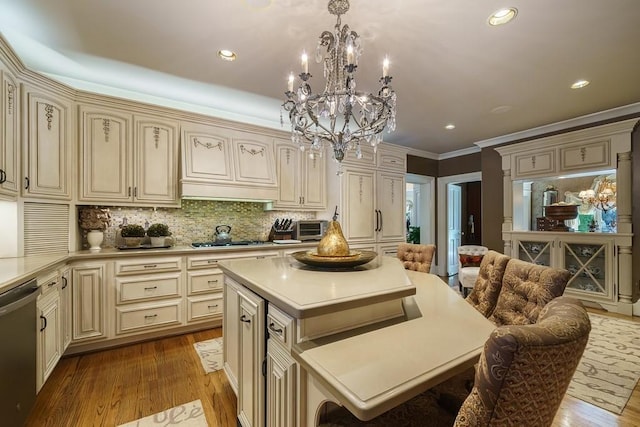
(369,338)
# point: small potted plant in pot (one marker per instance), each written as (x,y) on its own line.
(158,233)
(132,234)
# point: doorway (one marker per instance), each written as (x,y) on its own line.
(459,218)
(421,208)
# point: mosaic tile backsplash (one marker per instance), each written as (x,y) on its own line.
(196,220)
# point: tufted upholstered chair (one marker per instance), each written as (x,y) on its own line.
(484,294)
(526,288)
(469,259)
(524,372)
(416,257)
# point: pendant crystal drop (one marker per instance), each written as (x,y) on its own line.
(346,136)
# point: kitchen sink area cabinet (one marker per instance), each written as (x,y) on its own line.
(50,340)
(9,134)
(127,158)
(302,178)
(48,134)
(148,294)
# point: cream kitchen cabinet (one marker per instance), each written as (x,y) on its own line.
(222,162)
(204,288)
(127,158)
(89,301)
(373,205)
(66,307)
(148,294)
(231,330)
(48,126)
(49,345)
(9,134)
(302,178)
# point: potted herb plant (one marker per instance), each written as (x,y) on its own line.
(158,233)
(132,234)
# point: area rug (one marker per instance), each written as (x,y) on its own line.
(187,415)
(610,366)
(210,353)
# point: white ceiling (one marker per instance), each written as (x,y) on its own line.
(448,65)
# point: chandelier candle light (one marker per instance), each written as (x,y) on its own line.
(341,115)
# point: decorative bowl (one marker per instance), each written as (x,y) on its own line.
(560,213)
(354,259)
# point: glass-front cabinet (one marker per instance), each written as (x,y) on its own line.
(588,257)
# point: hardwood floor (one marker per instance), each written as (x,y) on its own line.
(124,384)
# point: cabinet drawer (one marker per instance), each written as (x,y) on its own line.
(147,288)
(279,326)
(535,163)
(149,317)
(47,282)
(585,156)
(148,265)
(201,308)
(205,281)
(393,161)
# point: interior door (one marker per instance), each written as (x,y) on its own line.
(454,211)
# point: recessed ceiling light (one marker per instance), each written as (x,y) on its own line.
(501,109)
(502,16)
(450,126)
(227,55)
(579,84)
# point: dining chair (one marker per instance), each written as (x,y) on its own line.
(416,257)
(522,377)
(469,259)
(486,289)
(526,289)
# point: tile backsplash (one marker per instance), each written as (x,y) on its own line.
(196,220)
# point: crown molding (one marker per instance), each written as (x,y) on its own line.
(422,153)
(458,153)
(9,57)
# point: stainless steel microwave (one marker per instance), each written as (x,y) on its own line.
(310,229)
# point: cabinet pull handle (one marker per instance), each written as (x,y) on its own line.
(151,316)
(303,200)
(26,182)
(3,176)
(52,284)
(44,323)
(244,319)
(129,192)
(212,261)
(65,282)
(212,281)
(212,306)
(376,211)
(272,328)
(151,266)
(135,191)
(150,288)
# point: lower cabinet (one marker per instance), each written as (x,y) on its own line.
(204,288)
(66,307)
(88,295)
(49,345)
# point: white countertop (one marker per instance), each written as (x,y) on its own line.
(375,371)
(14,271)
(302,291)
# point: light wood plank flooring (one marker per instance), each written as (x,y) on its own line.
(120,385)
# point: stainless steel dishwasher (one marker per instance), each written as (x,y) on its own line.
(18,353)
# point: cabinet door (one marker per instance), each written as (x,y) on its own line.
(251,381)
(534,251)
(534,164)
(206,153)
(48,158)
(391,193)
(289,179)
(591,268)
(88,295)
(358,205)
(314,174)
(65,307)
(49,339)
(254,160)
(156,161)
(9,135)
(230,337)
(281,387)
(106,150)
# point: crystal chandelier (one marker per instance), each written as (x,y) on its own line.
(603,197)
(341,115)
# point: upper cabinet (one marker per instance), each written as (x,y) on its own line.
(226,163)
(9,135)
(126,158)
(48,140)
(302,178)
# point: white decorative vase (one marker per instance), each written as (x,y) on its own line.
(95,238)
(157,242)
